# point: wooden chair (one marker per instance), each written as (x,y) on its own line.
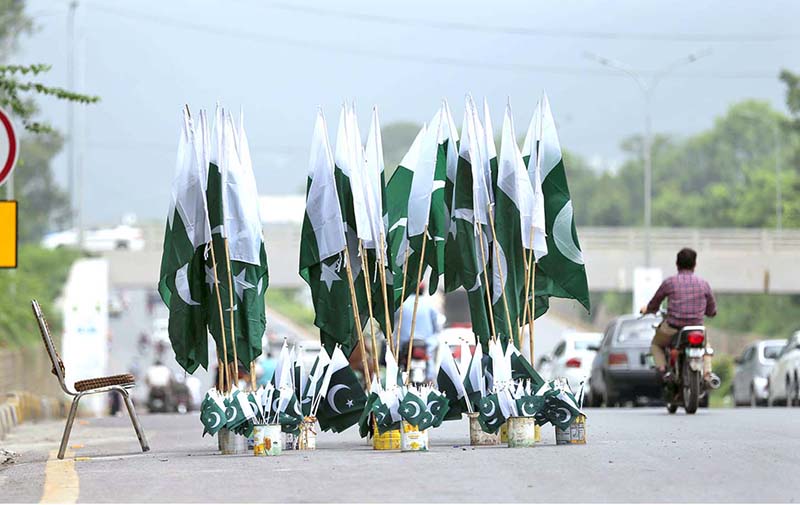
(119,383)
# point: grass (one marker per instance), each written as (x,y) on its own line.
(287,302)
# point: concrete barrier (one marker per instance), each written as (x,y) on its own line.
(20,406)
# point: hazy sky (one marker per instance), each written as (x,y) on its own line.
(279,60)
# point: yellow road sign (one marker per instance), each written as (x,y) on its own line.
(8,234)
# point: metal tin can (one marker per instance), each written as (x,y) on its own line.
(387,441)
(268,439)
(308,435)
(504,433)
(575,434)
(521,431)
(231,443)
(476,434)
(412,439)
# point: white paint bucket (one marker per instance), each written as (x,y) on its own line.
(268,439)
(521,431)
(476,434)
(412,439)
(231,443)
(575,434)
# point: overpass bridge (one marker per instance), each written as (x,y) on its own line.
(732,260)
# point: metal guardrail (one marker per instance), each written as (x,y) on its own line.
(708,239)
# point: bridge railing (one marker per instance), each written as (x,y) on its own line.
(709,239)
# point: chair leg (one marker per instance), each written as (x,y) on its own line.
(68,428)
(135,420)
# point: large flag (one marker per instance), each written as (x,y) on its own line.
(322,246)
(182,278)
(452,274)
(561,273)
(237,240)
(212,413)
(344,398)
(508,259)
(470,206)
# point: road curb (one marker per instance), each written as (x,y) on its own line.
(21,406)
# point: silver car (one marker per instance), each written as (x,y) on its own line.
(752,372)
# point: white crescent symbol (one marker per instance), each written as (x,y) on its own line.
(432,402)
(524,409)
(218,420)
(232,409)
(491,412)
(566,413)
(381,418)
(332,397)
(182,285)
(562,235)
(416,409)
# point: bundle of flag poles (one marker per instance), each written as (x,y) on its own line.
(500,226)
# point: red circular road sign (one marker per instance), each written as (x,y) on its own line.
(9,146)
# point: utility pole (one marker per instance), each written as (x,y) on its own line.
(648,87)
(73,7)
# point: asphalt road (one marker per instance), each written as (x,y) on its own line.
(632,455)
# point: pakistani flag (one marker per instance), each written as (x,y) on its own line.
(322,246)
(212,413)
(438,405)
(414,411)
(452,274)
(234,218)
(181,281)
(470,206)
(474,383)
(521,369)
(364,426)
(315,378)
(490,415)
(449,382)
(532,406)
(344,398)
(513,192)
(561,408)
(562,272)
(234,414)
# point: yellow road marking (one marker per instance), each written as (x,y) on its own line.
(60,480)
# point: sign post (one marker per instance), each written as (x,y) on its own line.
(9,150)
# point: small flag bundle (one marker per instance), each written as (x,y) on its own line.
(233,411)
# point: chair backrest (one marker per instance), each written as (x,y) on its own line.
(58,365)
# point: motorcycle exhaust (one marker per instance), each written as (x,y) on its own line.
(713,381)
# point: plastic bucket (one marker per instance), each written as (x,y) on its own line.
(268,439)
(387,441)
(521,431)
(575,434)
(412,439)
(231,443)
(476,434)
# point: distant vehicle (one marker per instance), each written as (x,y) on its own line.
(160,329)
(752,372)
(572,358)
(122,237)
(453,336)
(621,370)
(784,379)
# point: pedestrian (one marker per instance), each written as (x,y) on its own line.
(426,328)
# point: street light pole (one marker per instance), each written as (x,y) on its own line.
(648,87)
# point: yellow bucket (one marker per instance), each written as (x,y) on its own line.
(388,441)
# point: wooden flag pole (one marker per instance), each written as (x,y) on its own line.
(402,299)
(230,301)
(532,316)
(220,377)
(357,317)
(368,287)
(253,375)
(502,277)
(416,304)
(486,281)
(227,381)
(387,315)
(528,261)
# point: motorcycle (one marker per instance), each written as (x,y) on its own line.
(159,399)
(418,371)
(685,364)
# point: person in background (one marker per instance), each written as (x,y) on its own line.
(265,368)
(426,328)
(689,301)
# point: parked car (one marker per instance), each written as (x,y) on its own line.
(752,372)
(784,379)
(122,237)
(622,370)
(571,358)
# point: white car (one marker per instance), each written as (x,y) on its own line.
(571,358)
(784,379)
(122,237)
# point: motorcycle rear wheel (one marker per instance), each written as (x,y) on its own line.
(691,389)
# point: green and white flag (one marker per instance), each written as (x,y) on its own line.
(212,413)
(452,274)
(470,205)
(234,415)
(490,415)
(450,383)
(315,377)
(343,397)
(439,406)
(508,259)
(182,278)
(322,246)
(562,272)
(474,383)
(413,410)
(233,207)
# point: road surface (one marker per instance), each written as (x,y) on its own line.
(632,455)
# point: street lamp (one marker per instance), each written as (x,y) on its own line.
(648,87)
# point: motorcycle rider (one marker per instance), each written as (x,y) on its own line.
(689,300)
